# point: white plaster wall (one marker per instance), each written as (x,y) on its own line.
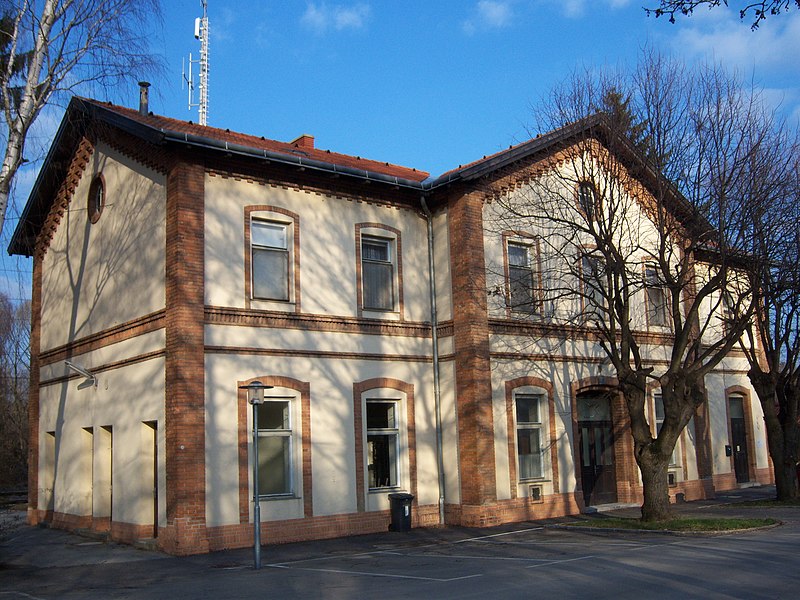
(327,246)
(124,398)
(332,430)
(97,276)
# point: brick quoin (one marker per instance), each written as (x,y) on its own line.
(184,415)
(33,393)
(471,341)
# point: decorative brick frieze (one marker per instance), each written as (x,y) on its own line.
(221,315)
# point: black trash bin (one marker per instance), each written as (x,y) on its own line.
(401,511)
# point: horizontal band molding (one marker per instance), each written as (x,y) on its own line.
(107,337)
(125,362)
(218,315)
(317,354)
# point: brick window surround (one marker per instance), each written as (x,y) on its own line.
(551,441)
(523,238)
(627,474)
(743,393)
(359,432)
(292,219)
(244,434)
(397,239)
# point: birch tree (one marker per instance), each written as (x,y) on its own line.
(757,10)
(50,49)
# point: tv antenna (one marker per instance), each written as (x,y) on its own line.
(200,33)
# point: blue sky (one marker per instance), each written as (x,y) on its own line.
(427,84)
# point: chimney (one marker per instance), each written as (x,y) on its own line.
(304,142)
(144,97)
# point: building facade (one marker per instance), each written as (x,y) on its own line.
(175,263)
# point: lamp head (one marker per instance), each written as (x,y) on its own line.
(255,391)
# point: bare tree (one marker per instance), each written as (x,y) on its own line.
(642,243)
(14,380)
(773,346)
(50,48)
(758,10)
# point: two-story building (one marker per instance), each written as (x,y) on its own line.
(175,263)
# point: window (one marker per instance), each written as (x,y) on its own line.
(529,435)
(594,285)
(274,424)
(521,278)
(382,443)
(656,298)
(96,201)
(587,200)
(269,242)
(377,273)
(659,409)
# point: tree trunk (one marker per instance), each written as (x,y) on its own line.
(655,481)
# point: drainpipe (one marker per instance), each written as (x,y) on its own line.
(437,395)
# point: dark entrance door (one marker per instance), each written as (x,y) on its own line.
(739,440)
(596,439)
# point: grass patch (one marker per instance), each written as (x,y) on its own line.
(682,524)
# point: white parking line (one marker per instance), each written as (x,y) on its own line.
(495,535)
(374,574)
(558,562)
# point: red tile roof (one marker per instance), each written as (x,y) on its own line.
(261,143)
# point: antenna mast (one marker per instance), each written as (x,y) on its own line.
(201,33)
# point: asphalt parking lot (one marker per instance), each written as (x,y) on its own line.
(523,560)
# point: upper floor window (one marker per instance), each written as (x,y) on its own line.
(521,277)
(377,273)
(593,285)
(274,425)
(382,443)
(588,201)
(529,435)
(96,201)
(269,241)
(655,298)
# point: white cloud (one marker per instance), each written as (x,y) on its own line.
(321,17)
(489,14)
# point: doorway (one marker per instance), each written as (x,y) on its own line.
(596,443)
(741,462)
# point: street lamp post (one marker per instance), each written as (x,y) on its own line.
(255,396)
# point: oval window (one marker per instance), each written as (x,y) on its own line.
(97,199)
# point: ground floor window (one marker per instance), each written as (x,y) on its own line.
(382,443)
(529,435)
(274,448)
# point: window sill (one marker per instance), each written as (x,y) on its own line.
(278,305)
(534,480)
(275,497)
(382,315)
(383,490)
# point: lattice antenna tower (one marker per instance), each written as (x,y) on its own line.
(201,32)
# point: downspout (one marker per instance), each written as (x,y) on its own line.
(437,395)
